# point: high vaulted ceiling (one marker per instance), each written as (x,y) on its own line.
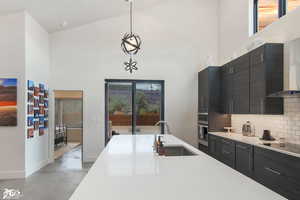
(52,13)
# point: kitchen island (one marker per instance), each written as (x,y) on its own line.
(128,169)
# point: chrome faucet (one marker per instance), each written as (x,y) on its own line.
(166,125)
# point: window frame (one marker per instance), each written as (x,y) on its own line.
(282,10)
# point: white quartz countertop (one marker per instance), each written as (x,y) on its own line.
(253,141)
(128,169)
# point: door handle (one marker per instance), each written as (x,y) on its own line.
(273,171)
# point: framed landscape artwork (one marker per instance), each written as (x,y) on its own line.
(8,102)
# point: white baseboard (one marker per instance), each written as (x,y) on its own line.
(37,167)
(12,175)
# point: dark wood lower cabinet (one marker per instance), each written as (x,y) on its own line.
(214,146)
(244,158)
(227,153)
(277,171)
(203,148)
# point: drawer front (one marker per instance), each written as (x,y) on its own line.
(276,174)
(244,158)
(228,152)
(212,146)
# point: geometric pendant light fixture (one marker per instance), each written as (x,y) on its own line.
(131,44)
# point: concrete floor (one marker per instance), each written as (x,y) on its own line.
(56,181)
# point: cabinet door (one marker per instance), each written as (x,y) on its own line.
(257,84)
(241,85)
(244,158)
(227,153)
(266,77)
(214,146)
(203,91)
(277,171)
(227,88)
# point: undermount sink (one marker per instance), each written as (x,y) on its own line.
(178,151)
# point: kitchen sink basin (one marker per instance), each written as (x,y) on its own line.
(178,151)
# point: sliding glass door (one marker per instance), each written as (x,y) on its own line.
(148,107)
(133,106)
(120,107)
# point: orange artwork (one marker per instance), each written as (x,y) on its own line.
(8,102)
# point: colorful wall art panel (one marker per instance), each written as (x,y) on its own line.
(37,109)
(8,102)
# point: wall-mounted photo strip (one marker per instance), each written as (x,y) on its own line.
(46,94)
(46,124)
(36,125)
(30,121)
(30,110)
(42,120)
(30,133)
(30,85)
(46,103)
(36,103)
(46,115)
(42,110)
(41,131)
(30,97)
(36,91)
(42,88)
(41,99)
(36,113)
(37,108)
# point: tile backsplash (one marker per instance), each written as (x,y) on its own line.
(287,125)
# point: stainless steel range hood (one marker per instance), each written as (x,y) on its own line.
(291,70)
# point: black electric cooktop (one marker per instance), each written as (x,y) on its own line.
(294,148)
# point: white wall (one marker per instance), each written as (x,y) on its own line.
(37,69)
(236,24)
(24,54)
(12,65)
(177,39)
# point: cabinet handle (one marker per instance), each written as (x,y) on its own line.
(231,106)
(241,147)
(226,142)
(273,171)
(262,57)
(262,106)
(226,152)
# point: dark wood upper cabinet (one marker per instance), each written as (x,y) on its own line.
(241,86)
(227,88)
(266,77)
(203,91)
(248,80)
(209,98)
